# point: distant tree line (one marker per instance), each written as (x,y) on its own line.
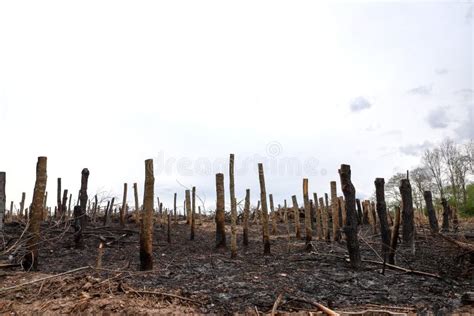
(447,170)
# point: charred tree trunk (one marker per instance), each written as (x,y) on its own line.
(296,211)
(169,227)
(11,210)
(394,238)
(220,212)
(30,261)
(431,211)
(3,199)
(351,226)
(175,214)
(123,210)
(69,206)
(80,212)
(446,215)
(319,224)
(187,199)
(408,224)
(370,215)
(146,231)
(106,213)
(328,216)
(382,212)
(273,215)
(22,203)
(359,212)
(307,216)
(94,210)
(335,213)
(59,204)
(193,213)
(324,219)
(233,209)
(64,205)
(246,218)
(342,211)
(263,199)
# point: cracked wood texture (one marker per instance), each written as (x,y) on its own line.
(146,232)
(350,229)
(30,261)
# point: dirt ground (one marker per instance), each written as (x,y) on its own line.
(193,277)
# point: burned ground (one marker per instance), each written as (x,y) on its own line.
(194,277)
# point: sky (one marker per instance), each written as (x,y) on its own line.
(302,86)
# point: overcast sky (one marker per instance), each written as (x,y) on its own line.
(300,85)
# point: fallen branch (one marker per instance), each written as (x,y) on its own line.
(463,245)
(6,289)
(166,295)
(409,271)
(275,305)
(319,306)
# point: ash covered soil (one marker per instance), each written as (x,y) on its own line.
(194,277)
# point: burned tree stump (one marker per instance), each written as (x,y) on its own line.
(319,224)
(123,210)
(273,215)
(408,224)
(69,206)
(359,212)
(64,206)
(137,204)
(431,211)
(350,229)
(30,261)
(370,215)
(307,216)
(246,218)
(233,209)
(220,212)
(187,199)
(446,215)
(382,212)
(394,238)
(22,203)
(146,231)
(336,236)
(80,212)
(3,199)
(263,199)
(324,219)
(174,208)
(169,227)
(296,211)
(193,213)
(59,204)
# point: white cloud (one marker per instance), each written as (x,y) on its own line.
(438,118)
(360,103)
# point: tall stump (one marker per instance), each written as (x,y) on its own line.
(408,224)
(350,229)
(382,212)
(263,199)
(431,211)
(220,211)
(146,231)
(307,216)
(30,261)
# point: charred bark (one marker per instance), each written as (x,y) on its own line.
(350,229)
(30,261)
(146,231)
(220,212)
